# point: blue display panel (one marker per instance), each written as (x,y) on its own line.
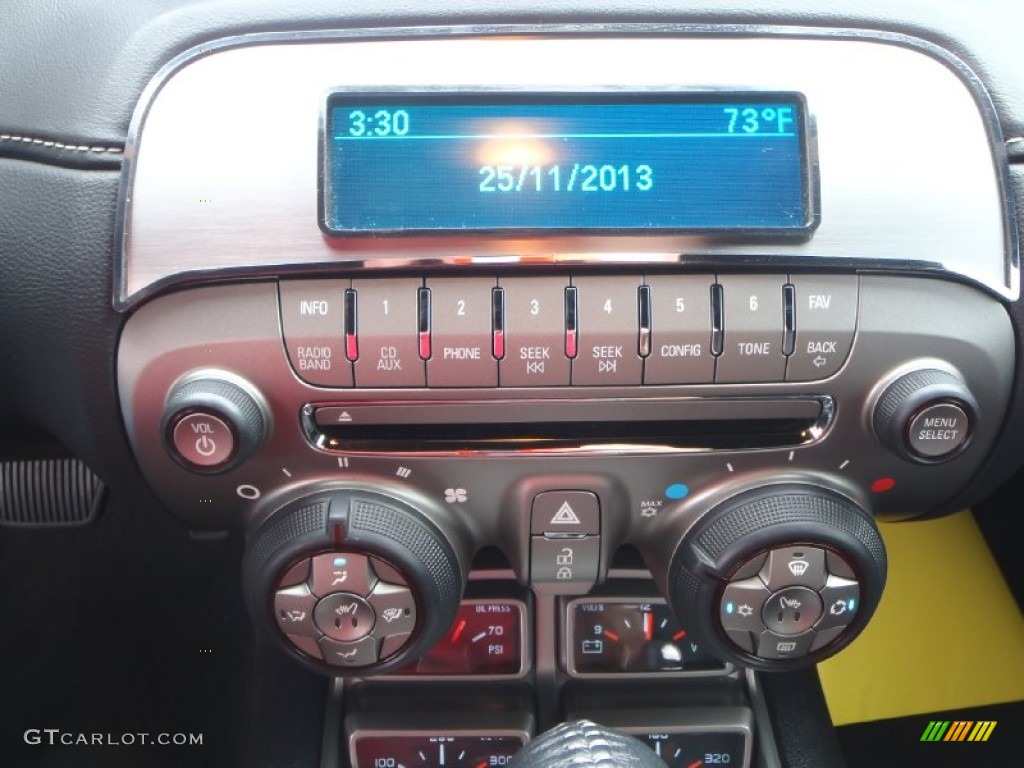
(440,163)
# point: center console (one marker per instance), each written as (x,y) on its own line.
(540,400)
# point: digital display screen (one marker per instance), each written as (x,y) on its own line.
(438,163)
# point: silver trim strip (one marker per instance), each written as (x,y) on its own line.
(130,288)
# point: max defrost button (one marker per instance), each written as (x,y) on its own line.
(313,320)
(203,440)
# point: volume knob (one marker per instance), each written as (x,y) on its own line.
(213,423)
(926,416)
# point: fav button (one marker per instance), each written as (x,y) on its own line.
(203,440)
(826,318)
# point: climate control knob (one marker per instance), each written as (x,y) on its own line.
(783,576)
(926,416)
(212,422)
(356,582)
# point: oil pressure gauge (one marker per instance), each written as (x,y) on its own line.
(623,636)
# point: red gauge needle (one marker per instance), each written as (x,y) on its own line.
(458,630)
(696,764)
(611,635)
(679,635)
(482,765)
(648,626)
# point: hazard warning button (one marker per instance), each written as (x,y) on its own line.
(574,513)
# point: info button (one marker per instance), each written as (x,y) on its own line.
(203,441)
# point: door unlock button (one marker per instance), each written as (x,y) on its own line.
(203,440)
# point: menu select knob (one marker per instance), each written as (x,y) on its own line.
(926,416)
(212,424)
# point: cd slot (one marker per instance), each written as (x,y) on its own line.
(573,426)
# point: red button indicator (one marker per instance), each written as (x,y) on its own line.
(883,484)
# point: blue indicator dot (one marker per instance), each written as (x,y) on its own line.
(676,491)
(340,561)
(851,603)
(729,607)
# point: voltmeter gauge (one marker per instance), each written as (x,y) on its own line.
(615,636)
(487,639)
(435,751)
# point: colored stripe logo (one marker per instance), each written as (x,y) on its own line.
(958,730)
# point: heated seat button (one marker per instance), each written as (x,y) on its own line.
(680,330)
(608,326)
(461,337)
(313,321)
(388,330)
(534,332)
(754,329)
(826,319)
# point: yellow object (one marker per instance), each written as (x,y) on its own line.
(947,634)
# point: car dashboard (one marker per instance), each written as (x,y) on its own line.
(500,367)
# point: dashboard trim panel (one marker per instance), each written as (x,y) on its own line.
(132,284)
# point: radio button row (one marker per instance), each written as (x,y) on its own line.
(754,329)
(388,329)
(680,331)
(313,321)
(534,332)
(826,319)
(460,331)
(608,328)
